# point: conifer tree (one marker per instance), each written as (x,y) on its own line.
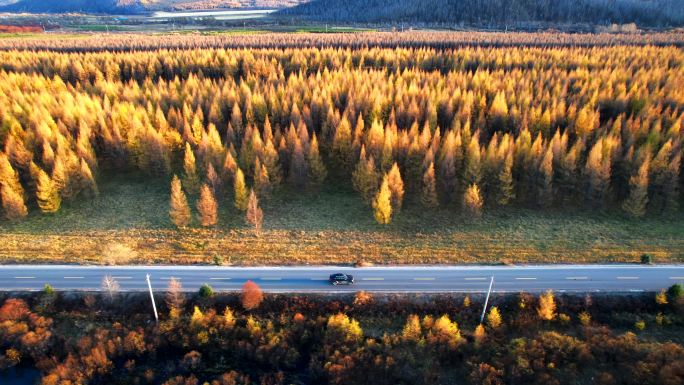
(428,195)
(262,183)
(545,179)
(547,306)
(179,210)
(494,318)
(472,169)
(382,203)
(87,181)
(229,167)
(254,214)
(342,147)
(597,171)
(479,335)
(190,176)
(505,188)
(213,180)
(472,201)
(240,191)
(298,176)
(365,177)
(12,203)
(207,208)
(8,176)
(47,195)
(396,185)
(635,204)
(316,170)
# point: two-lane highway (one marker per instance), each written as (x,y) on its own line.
(423,279)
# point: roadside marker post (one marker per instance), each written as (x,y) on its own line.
(484,309)
(154,305)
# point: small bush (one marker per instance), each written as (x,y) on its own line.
(640,325)
(646,259)
(675,292)
(48,289)
(206,291)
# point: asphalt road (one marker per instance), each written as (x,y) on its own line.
(418,279)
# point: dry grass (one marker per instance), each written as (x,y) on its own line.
(129,223)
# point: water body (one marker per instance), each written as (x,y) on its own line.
(221,15)
(19,376)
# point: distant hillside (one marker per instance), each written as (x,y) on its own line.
(494,12)
(134,6)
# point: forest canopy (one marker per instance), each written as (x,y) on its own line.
(499,13)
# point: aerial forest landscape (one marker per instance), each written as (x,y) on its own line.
(326,192)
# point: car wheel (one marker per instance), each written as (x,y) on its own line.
(334,283)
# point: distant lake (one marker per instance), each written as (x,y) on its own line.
(20,376)
(221,15)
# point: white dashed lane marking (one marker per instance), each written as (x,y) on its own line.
(74,277)
(475,279)
(24,277)
(525,278)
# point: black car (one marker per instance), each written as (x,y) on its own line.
(341,279)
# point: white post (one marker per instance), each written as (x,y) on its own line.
(154,306)
(484,309)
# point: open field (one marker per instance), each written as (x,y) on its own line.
(331,227)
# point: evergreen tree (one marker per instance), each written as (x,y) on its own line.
(547,306)
(8,176)
(12,203)
(179,210)
(316,170)
(254,214)
(635,204)
(382,203)
(190,176)
(428,195)
(545,192)
(262,183)
(342,147)
(87,181)
(365,177)
(597,171)
(396,185)
(472,201)
(240,191)
(505,188)
(298,176)
(213,180)
(494,318)
(207,208)
(47,195)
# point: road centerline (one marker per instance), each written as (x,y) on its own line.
(628,278)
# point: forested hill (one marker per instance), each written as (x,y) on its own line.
(133,6)
(650,13)
(85,6)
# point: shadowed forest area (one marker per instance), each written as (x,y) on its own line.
(225,339)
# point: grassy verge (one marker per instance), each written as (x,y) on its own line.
(330,226)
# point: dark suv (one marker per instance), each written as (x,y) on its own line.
(341,279)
